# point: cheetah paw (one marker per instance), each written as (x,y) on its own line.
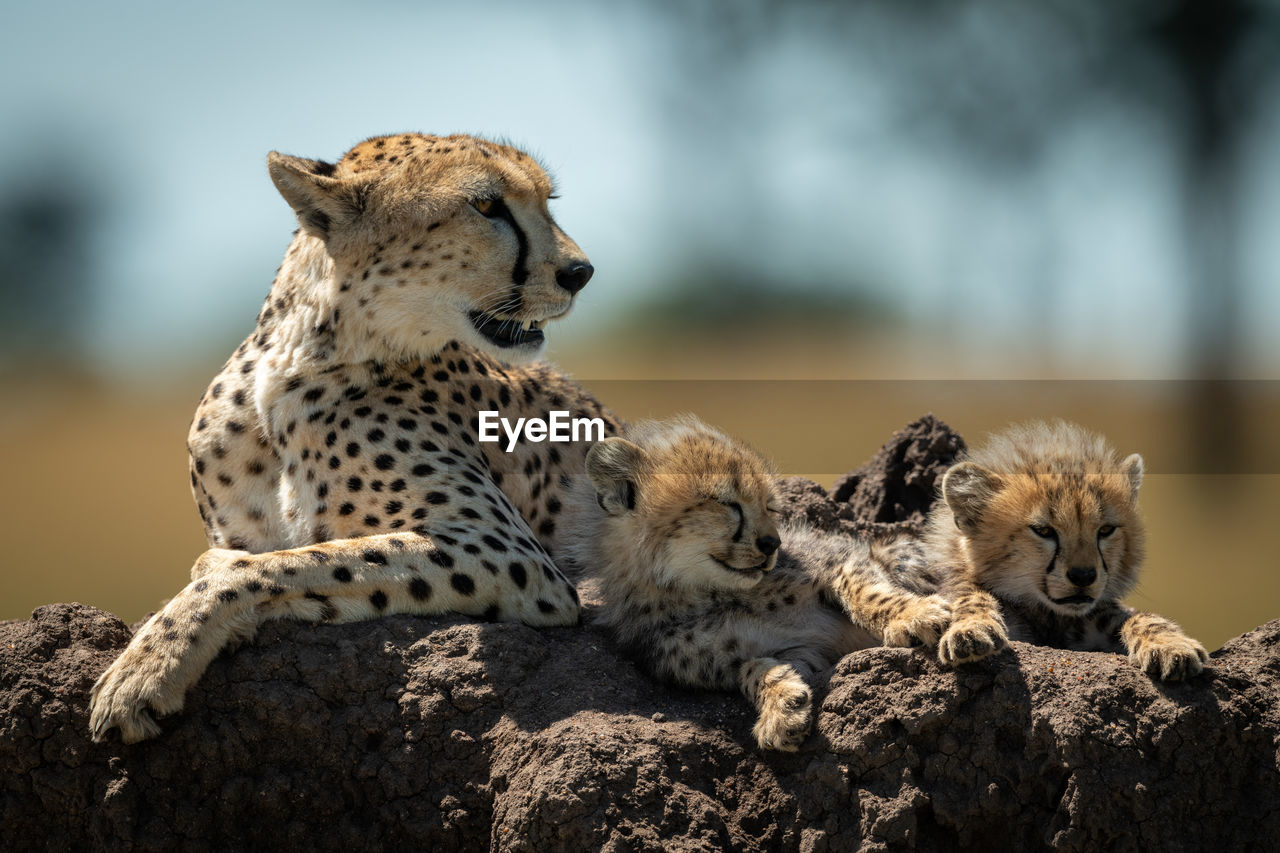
(124,696)
(921,622)
(784,715)
(972,639)
(1170,658)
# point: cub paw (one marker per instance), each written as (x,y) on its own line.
(972,639)
(785,708)
(923,621)
(1172,657)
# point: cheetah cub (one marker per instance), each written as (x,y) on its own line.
(1045,517)
(700,583)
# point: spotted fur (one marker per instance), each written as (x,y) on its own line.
(334,458)
(1045,519)
(701,584)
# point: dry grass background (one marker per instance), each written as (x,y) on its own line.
(96,506)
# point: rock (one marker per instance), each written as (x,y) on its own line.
(447,734)
(895,489)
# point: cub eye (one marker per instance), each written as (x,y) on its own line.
(1044,531)
(742,518)
(490,207)
(773,509)
(1106,530)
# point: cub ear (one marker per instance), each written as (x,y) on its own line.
(968,488)
(1133,468)
(613,466)
(319,200)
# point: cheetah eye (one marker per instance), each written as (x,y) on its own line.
(490,207)
(1044,531)
(1106,530)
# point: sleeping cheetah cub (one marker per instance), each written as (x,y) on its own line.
(1045,517)
(699,582)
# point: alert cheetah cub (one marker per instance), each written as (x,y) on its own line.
(702,585)
(1045,517)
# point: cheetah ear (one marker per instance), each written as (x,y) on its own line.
(1133,468)
(319,200)
(968,488)
(613,466)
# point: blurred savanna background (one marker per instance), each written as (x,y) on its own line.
(811,223)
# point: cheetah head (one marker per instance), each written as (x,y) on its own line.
(1049,517)
(425,240)
(697,507)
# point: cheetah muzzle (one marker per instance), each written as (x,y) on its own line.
(508,332)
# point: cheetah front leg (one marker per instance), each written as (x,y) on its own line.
(783,701)
(901,618)
(1160,648)
(213,559)
(169,653)
(342,580)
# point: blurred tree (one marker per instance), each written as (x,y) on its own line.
(49,213)
(995,82)
(1224,59)
(730,304)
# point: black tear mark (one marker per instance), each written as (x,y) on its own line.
(1057,546)
(520,272)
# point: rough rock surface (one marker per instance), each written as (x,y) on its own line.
(891,493)
(446,734)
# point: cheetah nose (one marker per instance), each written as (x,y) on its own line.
(768,544)
(1081,575)
(575,276)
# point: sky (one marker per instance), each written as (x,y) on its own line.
(790,159)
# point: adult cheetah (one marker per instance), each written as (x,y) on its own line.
(334,459)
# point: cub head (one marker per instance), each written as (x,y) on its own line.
(1048,515)
(432,240)
(689,506)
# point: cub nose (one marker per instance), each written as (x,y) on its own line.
(1082,575)
(768,544)
(575,276)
